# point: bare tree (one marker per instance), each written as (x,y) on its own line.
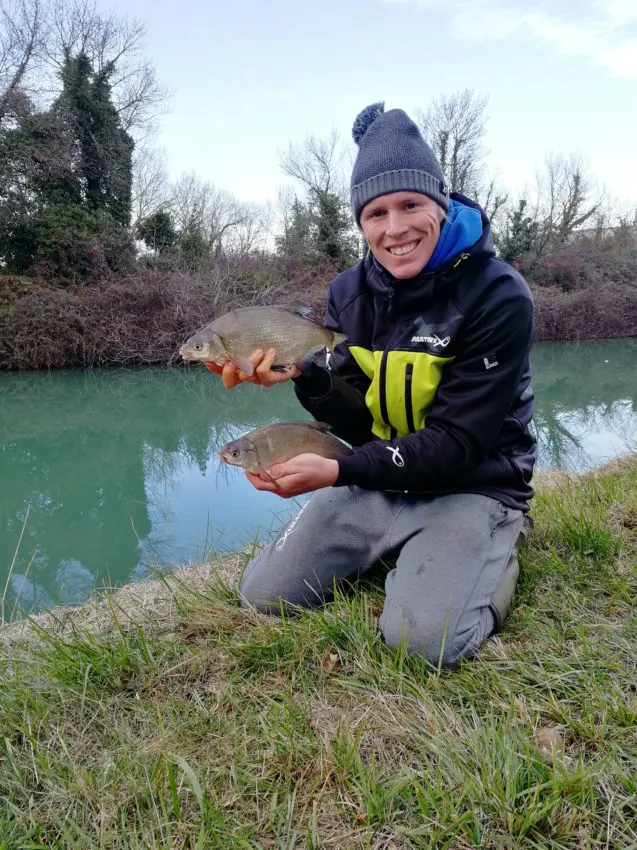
(21,32)
(114,46)
(317,164)
(454,127)
(252,234)
(199,206)
(150,182)
(566,199)
(492,198)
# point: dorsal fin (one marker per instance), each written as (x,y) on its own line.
(301,310)
(317,426)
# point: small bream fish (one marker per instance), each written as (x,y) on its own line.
(279,442)
(235,335)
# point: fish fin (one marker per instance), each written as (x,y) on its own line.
(318,355)
(338,338)
(296,309)
(319,426)
(265,474)
(279,367)
(244,364)
(346,450)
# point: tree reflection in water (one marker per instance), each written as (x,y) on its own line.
(98,456)
(585,401)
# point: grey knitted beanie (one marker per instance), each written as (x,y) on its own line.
(392,157)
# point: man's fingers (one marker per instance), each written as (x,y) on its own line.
(230,375)
(263,370)
(260,483)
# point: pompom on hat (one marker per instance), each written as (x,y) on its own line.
(393,157)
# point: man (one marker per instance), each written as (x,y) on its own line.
(433,389)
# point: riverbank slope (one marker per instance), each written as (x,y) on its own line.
(167,716)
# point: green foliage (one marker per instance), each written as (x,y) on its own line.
(520,234)
(296,239)
(157,231)
(102,149)
(65,180)
(193,246)
(319,230)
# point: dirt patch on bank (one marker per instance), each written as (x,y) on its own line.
(151,602)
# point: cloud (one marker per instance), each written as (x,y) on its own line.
(602,31)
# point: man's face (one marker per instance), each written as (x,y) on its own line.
(402,229)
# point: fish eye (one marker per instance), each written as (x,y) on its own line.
(235,453)
(198,347)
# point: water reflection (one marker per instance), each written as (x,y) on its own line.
(585,401)
(118,470)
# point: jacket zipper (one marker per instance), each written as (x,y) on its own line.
(409,404)
(382,377)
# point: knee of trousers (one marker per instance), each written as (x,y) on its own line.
(254,595)
(435,639)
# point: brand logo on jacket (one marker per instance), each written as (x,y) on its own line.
(490,361)
(434,340)
(397,457)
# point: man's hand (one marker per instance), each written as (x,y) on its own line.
(263,374)
(302,474)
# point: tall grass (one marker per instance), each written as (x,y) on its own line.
(234,730)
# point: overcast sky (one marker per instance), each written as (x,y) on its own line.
(248,75)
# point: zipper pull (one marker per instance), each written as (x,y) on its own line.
(461,259)
(390,306)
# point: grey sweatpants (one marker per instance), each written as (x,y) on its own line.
(455,572)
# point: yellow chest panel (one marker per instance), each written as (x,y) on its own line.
(401,393)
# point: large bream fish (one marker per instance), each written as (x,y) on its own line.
(235,335)
(280,442)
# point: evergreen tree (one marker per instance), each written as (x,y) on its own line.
(104,150)
(319,230)
(520,235)
(334,235)
(157,231)
(65,180)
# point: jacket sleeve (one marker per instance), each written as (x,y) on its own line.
(337,394)
(474,397)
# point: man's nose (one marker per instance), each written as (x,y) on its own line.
(396,224)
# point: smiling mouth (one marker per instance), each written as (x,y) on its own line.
(403,250)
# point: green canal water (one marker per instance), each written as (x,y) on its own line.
(107,476)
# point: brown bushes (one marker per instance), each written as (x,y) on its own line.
(607,312)
(142,319)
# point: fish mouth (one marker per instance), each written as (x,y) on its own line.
(226,457)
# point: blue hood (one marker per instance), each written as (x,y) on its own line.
(462,229)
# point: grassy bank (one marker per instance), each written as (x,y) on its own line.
(180,720)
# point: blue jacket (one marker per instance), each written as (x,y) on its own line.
(433,385)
